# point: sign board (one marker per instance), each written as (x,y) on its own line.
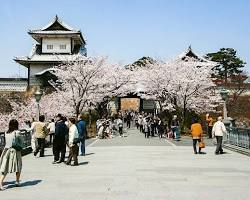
(148,104)
(130,104)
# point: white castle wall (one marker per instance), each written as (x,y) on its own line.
(56,42)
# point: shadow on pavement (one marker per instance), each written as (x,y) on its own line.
(47,155)
(22,184)
(88,154)
(83,163)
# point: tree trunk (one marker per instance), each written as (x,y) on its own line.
(77,111)
(90,118)
(226,74)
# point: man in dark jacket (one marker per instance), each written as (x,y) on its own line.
(59,142)
(82,130)
(129,118)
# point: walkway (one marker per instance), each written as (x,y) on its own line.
(135,168)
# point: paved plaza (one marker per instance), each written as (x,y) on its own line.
(135,168)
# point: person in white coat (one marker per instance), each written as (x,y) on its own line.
(140,122)
(73,140)
(218,131)
(119,123)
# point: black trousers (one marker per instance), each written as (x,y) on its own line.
(59,150)
(146,134)
(40,147)
(128,123)
(73,153)
(194,145)
(210,128)
(120,130)
(160,133)
(219,144)
(153,130)
(141,128)
(137,125)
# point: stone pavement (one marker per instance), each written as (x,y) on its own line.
(124,168)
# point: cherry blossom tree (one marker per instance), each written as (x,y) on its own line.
(85,82)
(27,109)
(180,83)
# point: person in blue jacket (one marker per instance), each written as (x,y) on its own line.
(82,130)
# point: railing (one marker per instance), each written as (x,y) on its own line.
(26,137)
(239,137)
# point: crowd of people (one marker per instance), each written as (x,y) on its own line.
(152,125)
(62,132)
(72,132)
(147,123)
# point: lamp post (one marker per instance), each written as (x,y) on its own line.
(38,95)
(224,95)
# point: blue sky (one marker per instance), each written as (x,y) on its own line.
(125,30)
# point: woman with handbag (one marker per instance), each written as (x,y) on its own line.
(197,133)
(11,158)
(73,143)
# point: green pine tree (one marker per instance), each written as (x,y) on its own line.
(230,63)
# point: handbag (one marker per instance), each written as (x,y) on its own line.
(202,144)
(17,143)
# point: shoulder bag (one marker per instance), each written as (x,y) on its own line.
(17,143)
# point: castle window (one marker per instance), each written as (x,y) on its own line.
(62,46)
(49,46)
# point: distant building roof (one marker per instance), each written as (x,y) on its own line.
(54,24)
(189,55)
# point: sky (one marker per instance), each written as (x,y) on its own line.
(126,30)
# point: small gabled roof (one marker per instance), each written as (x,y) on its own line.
(189,55)
(56,27)
(57,24)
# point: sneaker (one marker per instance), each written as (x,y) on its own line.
(74,164)
(56,162)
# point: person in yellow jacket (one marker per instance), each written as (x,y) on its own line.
(40,133)
(196,131)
